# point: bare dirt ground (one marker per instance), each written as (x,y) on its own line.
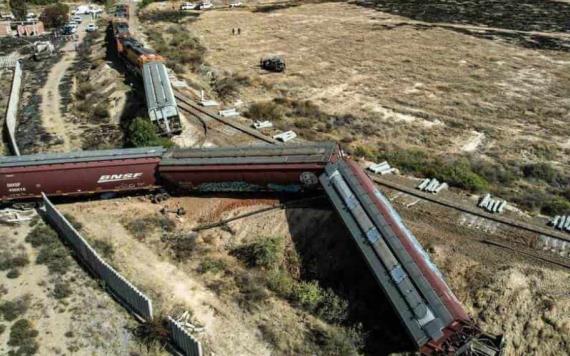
(506,293)
(52,118)
(85,322)
(216,301)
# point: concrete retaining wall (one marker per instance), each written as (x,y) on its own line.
(129,296)
(183,340)
(12,111)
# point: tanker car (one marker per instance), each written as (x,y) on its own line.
(430,313)
(149,66)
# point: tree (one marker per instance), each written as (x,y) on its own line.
(55,15)
(19,9)
(141,132)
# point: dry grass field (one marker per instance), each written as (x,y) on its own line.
(424,92)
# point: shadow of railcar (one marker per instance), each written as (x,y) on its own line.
(329,255)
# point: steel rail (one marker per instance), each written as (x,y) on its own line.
(184,99)
(449,204)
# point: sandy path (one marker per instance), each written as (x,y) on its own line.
(52,118)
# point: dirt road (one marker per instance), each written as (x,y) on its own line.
(52,118)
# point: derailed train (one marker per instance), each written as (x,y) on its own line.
(429,311)
(149,66)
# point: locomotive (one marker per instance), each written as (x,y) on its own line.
(149,67)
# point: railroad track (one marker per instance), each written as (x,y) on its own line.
(206,117)
(447,203)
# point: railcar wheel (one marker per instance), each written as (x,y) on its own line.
(309,179)
(160,197)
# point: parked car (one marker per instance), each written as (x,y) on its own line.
(91,28)
(69,30)
(205,6)
(7,16)
(31,16)
(236,4)
(77,19)
(82,10)
(188,6)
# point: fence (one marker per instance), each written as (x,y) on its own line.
(129,295)
(184,341)
(8,62)
(13,107)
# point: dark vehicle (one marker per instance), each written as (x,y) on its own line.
(78,173)
(273,64)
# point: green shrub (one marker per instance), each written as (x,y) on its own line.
(459,173)
(364,151)
(55,15)
(303,124)
(267,110)
(56,258)
(542,171)
(332,308)
(53,252)
(22,336)
(2,328)
(42,235)
(61,290)
(212,265)
(229,86)
(153,333)
(11,310)
(19,9)
(308,294)
(13,274)
(338,341)
(280,282)
(497,173)
(144,226)
(307,109)
(141,133)
(252,290)
(265,252)
(10,262)
(556,206)
(101,111)
(409,161)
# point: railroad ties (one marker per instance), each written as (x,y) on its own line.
(212,120)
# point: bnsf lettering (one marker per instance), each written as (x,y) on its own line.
(13,185)
(118,177)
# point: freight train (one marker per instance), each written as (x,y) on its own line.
(149,67)
(429,311)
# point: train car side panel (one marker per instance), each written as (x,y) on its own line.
(77,178)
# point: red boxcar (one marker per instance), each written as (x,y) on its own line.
(288,167)
(78,173)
